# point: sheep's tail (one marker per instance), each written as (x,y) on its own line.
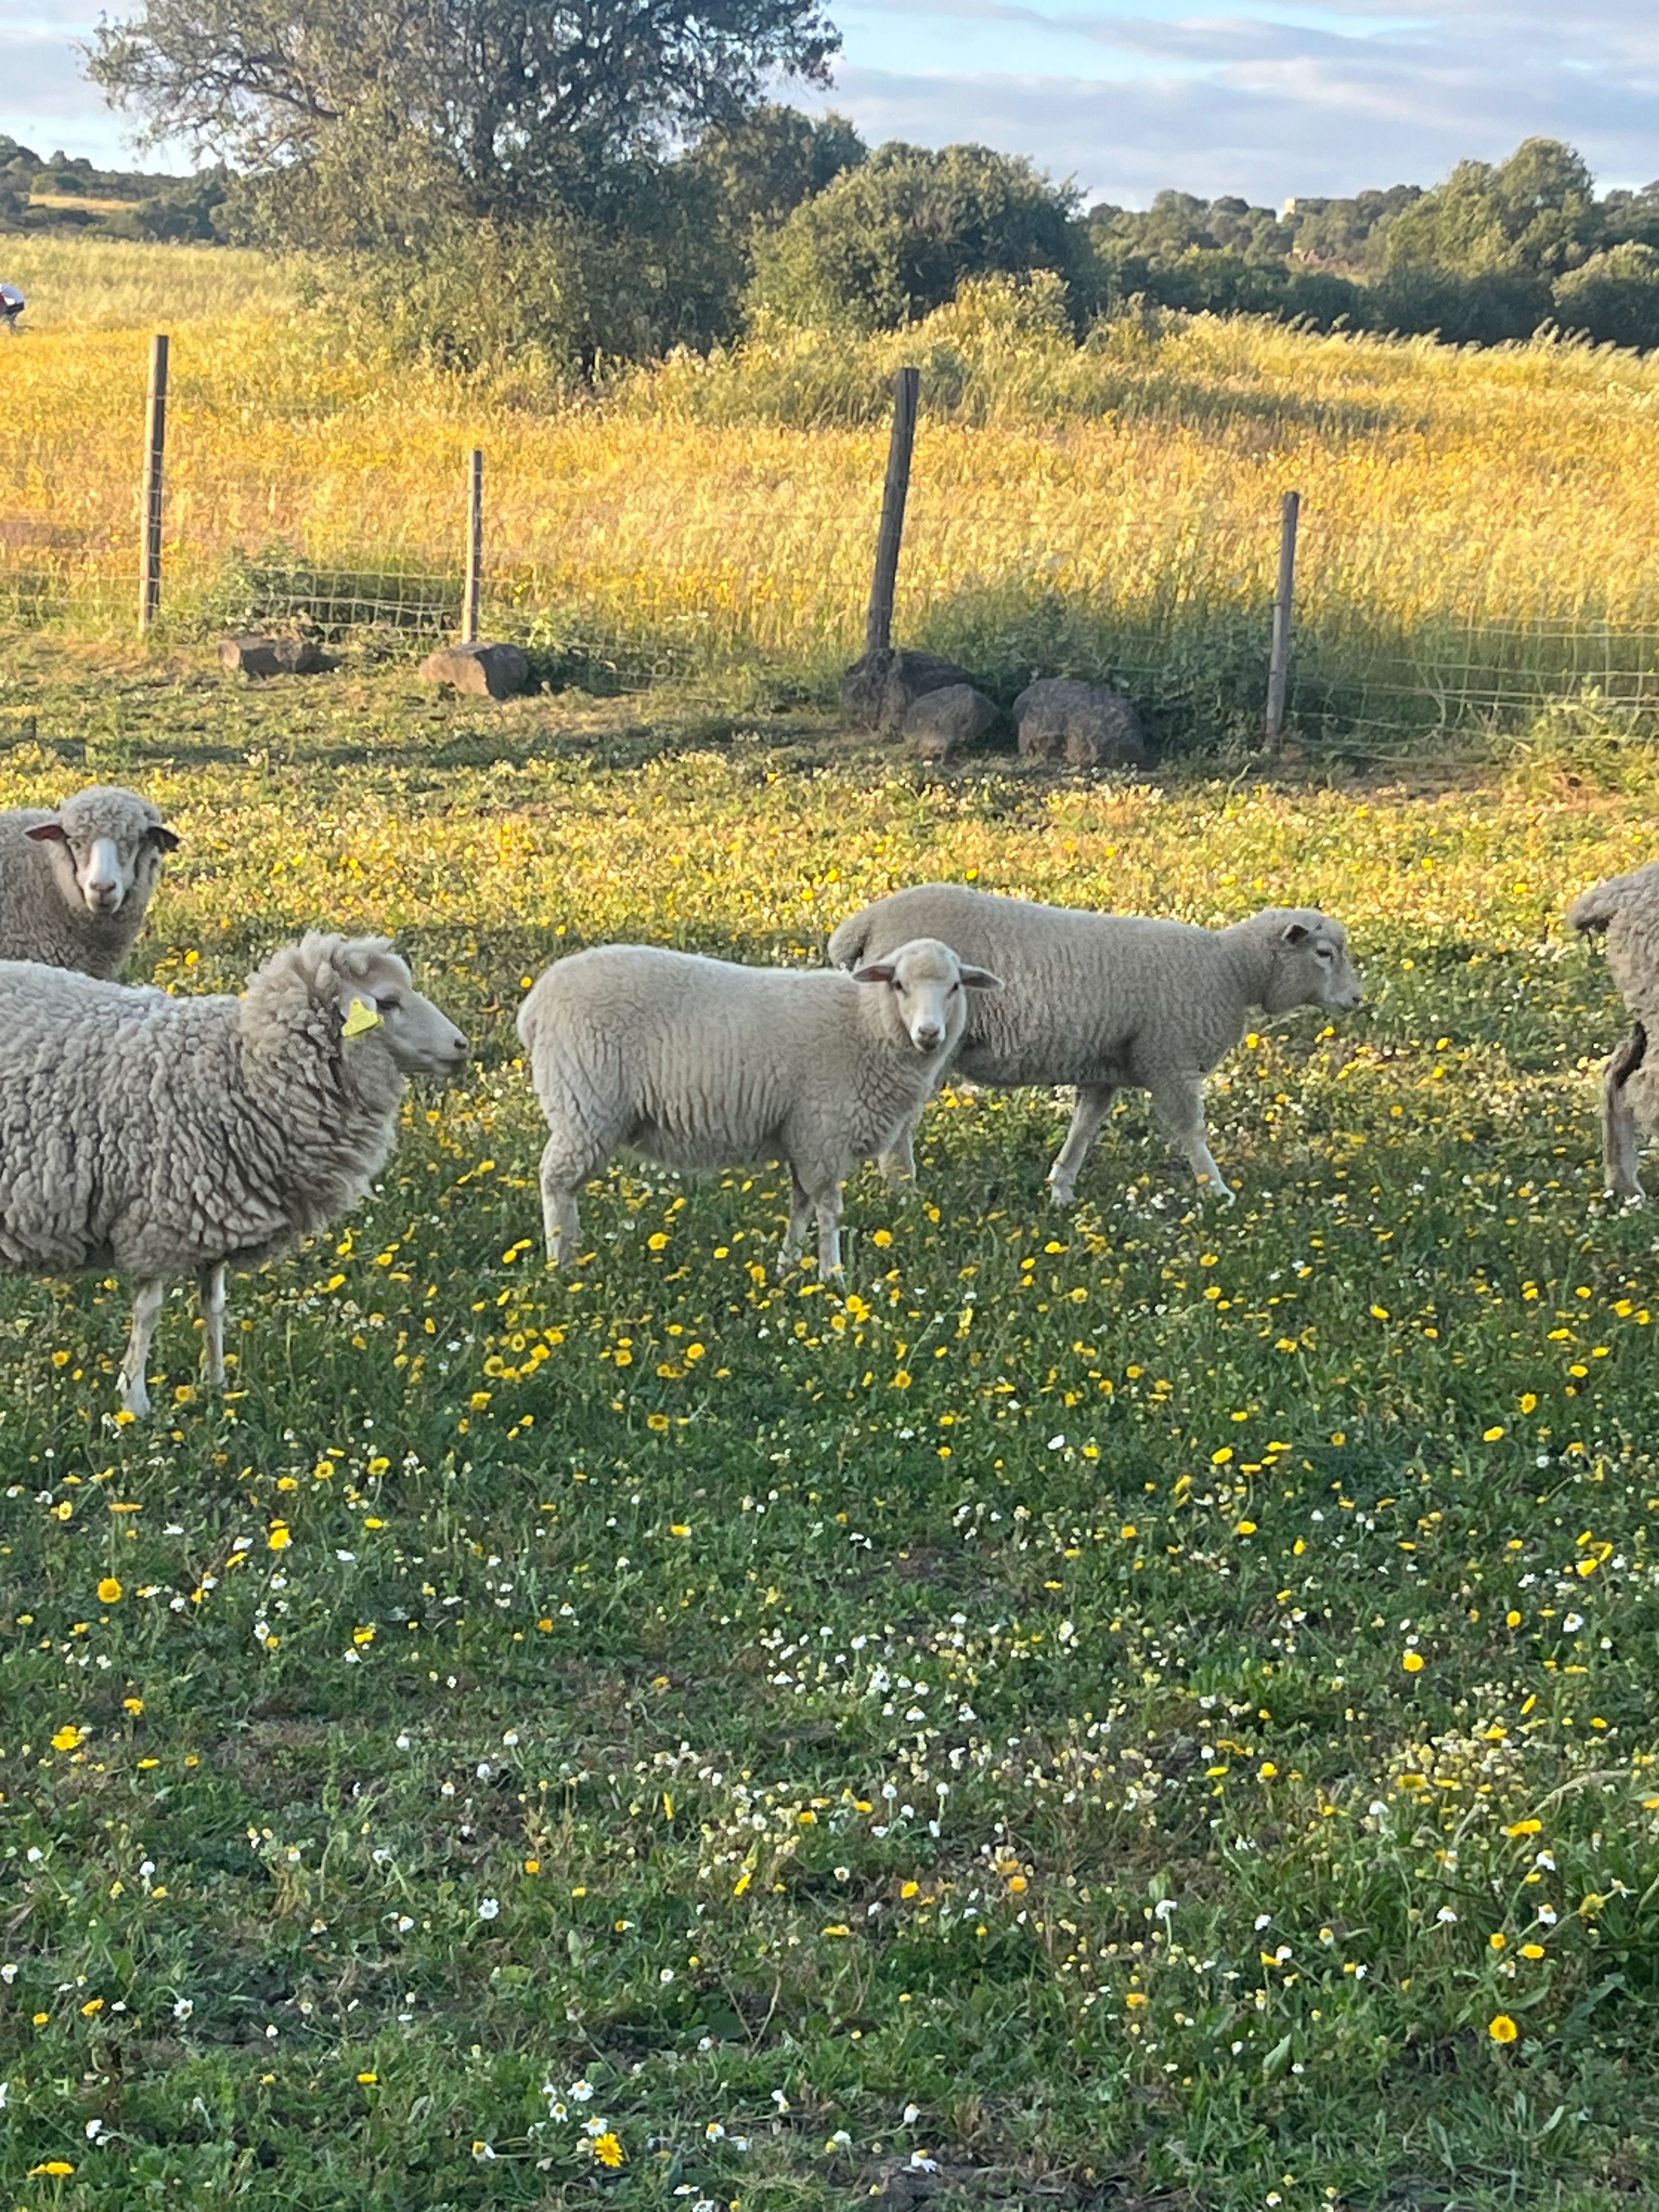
(846,944)
(1592,911)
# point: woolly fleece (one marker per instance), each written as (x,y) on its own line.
(1108,1001)
(42,915)
(701,1063)
(1625,908)
(166,1136)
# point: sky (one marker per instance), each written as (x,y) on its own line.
(1270,99)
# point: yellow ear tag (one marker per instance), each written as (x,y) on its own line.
(362,1017)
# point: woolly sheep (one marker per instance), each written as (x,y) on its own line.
(1107,1001)
(166,1136)
(74,884)
(1625,908)
(702,1064)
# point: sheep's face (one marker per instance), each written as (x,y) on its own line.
(1313,966)
(382,1002)
(929,986)
(103,856)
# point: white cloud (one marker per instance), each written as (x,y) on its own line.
(1264,97)
(1324,98)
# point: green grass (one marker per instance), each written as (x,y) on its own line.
(981,1692)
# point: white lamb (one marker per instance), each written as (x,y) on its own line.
(74,884)
(702,1064)
(1108,1001)
(169,1136)
(1626,908)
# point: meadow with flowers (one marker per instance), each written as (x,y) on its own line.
(1150,1706)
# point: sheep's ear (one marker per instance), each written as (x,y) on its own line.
(47,833)
(878,971)
(360,1015)
(1297,932)
(165,840)
(980,979)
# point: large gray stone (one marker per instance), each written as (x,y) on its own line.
(880,690)
(492,671)
(253,655)
(942,724)
(1086,725)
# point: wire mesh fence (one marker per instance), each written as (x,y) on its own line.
(1171,597)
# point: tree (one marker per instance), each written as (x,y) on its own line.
(891,240)
(1533,216)
(768,162)
(1613,297)
(481,175)
(504,92)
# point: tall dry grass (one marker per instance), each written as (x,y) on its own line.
(1477,524)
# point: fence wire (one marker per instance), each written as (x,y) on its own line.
(1175,608)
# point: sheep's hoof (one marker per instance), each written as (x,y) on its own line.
(135,1402)
(1062,1194)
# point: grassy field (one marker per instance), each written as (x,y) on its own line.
(1151,1707)
(1475,538)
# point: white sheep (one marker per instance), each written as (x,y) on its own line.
(74,884)
(702,1064)
(1108,1002)
(166,1136)
(1626,909)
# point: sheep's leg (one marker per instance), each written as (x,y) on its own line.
(1618,1121)
(135,1396)
(800,1212)
(561,1223)
(1178,1103)
(210,1288)
(1094,1102)
(897,1161)
(828,1213)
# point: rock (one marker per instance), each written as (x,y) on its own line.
(274,656)
(1086,725)
(942,724)
(494,672)
(880,690)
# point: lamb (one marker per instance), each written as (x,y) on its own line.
(1625,908)
(1107,1001)
(700,1063)
(166,1136)
(74,884)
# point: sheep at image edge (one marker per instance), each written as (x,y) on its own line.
(74,884)
(1626,910)
(165,1136)
(700,1063)
(1108,1002)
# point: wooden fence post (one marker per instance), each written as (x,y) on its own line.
(1278,663)
(474,549)
(879,628)
(155,441)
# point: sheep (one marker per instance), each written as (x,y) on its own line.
(165,1136)
(700,1063)
(1625,908)
(1107,1001)
(74,884)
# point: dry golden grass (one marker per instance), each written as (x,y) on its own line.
(1477,522)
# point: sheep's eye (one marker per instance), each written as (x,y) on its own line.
(1323,951)
(389,1006)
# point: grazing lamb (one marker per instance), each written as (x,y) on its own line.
(1109,1001)
(169,1136)
(74,885)
(1626,908)
(702,1064)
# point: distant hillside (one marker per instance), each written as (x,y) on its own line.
(62,192)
